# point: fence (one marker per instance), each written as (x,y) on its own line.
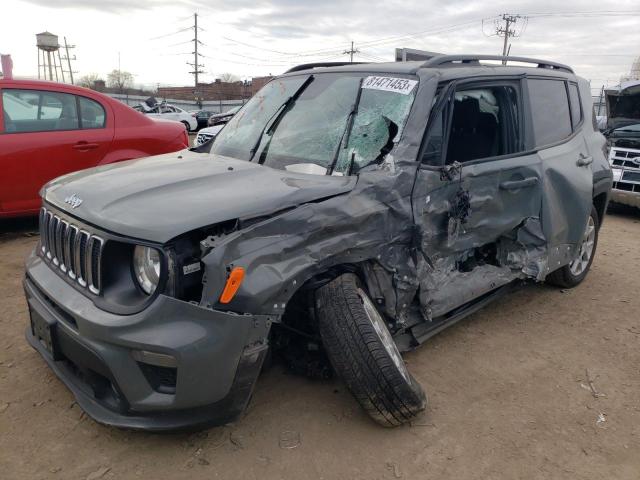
(216,106)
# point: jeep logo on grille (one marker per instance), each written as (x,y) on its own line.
(74,200)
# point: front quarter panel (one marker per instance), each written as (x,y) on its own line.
(283,252)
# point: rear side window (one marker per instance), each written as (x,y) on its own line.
(38,111)
(91,113)
(550,111)
(576,106)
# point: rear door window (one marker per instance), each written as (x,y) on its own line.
(92,113)
(38,111)
(550,111)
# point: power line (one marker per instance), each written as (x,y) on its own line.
(172,33)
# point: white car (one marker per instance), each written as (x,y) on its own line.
(207,134)
(169,112)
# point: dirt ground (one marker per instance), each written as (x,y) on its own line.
(508,387)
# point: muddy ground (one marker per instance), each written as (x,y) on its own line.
(509,390)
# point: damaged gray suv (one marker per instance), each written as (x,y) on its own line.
(347,211)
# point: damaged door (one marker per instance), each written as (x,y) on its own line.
(477,198)
(557,119)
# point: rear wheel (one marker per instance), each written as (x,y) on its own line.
(363,353)
(186,125)
(573,274)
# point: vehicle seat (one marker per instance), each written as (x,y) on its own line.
(88,117)
(68,119)
(9,126)
(473,133)
(488,128)
(464,135)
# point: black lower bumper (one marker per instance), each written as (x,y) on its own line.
(218,413)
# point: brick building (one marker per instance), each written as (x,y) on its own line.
(217,90)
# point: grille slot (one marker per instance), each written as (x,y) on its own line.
(72,250)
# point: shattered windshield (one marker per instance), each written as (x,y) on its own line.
(321,124)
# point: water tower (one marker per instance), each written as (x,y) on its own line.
(48,48)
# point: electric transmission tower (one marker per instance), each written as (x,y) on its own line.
(196,65)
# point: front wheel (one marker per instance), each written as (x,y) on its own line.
(363,353)
(573,274)
(187,126)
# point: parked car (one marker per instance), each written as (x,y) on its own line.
(48,129)
(207,134)
(623,133)
(224,117)
(202,117)
(164,111)
(353,211)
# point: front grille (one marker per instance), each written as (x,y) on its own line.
(72,250)
(625,158)
(629,161)
(203,138)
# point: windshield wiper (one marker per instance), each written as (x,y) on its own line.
(272,123)
(344,138)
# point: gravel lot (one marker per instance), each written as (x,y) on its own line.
(509,397)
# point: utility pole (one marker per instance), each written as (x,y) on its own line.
(351,52)
(196,66)
(506,32)
(68,58)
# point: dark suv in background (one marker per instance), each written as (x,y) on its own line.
(354,210)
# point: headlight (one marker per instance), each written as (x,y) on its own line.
(146,268)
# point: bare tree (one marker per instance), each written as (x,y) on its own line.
(89,80)
(229,77)
(120,80)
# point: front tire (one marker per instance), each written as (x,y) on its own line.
(363,353)
(573,274)
(187,126)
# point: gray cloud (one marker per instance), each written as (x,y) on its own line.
(595,46)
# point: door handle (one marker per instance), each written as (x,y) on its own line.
(583,161)
(84,146)
(517,184)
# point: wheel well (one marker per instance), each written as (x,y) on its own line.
(600,202)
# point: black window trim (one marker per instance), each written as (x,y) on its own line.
(449,88)
(40,91)
(578,125)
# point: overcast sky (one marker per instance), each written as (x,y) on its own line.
(255,37)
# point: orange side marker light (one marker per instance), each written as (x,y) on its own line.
(233,284)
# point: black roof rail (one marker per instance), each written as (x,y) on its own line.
(308,66)
(475,60)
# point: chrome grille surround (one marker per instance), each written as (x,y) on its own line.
(72,250)
(628,161)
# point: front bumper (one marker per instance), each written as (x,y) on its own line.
(218,356)
(623,197)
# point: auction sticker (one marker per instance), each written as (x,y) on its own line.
(390,84)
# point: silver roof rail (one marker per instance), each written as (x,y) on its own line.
(468,60)
(309,66)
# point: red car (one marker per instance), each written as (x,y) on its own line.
(48,129)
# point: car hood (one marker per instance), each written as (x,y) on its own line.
(159,198)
